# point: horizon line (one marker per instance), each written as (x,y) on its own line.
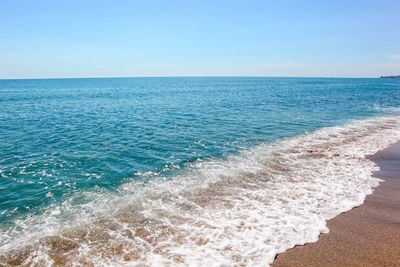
(187,76)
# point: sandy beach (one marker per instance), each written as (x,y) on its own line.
(368,235)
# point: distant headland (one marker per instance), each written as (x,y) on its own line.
(391,77)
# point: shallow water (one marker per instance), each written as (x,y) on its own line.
(183,170)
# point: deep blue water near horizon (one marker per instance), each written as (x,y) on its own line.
(63,136)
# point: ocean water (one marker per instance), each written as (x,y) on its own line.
(183,171)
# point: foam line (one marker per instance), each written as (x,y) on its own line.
(243,209)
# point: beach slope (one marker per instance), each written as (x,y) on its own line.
(368,235)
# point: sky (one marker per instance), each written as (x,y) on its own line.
(48,39)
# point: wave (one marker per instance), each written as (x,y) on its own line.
(240,210)
(387,109)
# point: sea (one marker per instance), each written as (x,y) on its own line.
(183,171)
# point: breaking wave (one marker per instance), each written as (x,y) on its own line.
(243,209)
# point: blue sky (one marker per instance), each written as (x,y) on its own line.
(196,38)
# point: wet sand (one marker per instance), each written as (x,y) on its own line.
(368,235)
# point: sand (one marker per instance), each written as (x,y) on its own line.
(368,235)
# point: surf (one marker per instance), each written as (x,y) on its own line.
(244,208)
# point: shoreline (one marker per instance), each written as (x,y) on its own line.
(331,159)
(367,235)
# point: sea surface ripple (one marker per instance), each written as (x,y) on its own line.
(183,171)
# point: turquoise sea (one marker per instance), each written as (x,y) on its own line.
(185,170)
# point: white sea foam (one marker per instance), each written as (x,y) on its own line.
(243,209)
(387,109)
